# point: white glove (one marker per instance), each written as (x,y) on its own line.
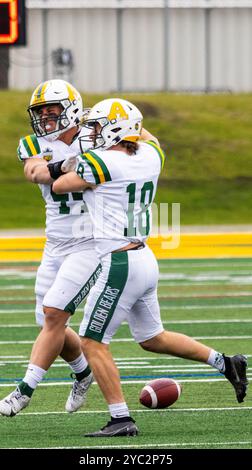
(69,164)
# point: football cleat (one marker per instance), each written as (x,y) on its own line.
(116,427)
(235,372)
(78,394)
(13,403)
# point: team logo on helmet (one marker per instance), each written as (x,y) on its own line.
(117,112)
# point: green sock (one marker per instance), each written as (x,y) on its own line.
(81,375)
(25,389)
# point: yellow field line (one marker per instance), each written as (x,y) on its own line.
(191,245)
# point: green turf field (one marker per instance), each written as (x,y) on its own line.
(208,299)
(207,140)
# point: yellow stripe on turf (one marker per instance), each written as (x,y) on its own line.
(196,245)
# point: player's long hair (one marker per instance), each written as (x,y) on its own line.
(131,147)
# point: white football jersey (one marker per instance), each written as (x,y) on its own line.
(120,205)
(68,223)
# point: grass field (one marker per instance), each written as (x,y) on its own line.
(210,300)
(207,140)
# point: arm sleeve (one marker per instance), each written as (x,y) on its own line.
(159,151)
(92,168)
(29,148)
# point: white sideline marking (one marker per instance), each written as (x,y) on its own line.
(158,368)
(201,307)
(12,357)
(151,445)
(165,322)
(139,358)
(242,282)
(202,263)
(196,295)
(174,410)
(9,274)
(13,287)
(162,307)
(16,310)
(7,299)
(150,358)
(126,340)
(129,340)
(233,278)
(124,382)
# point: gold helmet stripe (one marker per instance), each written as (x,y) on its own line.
(71,92)
(39,94)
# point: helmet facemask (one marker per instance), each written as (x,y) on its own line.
(111,121)
(61,120)
(52,93)
(94,137)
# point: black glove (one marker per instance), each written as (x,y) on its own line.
(55,169)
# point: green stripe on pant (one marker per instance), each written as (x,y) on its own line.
(108,299)
(83,292)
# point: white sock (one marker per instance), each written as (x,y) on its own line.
(79,364)
(119,410)
(34,375)
(216,360)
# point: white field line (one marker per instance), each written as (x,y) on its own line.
(162,307)
(150,358)
(162,284)
(151,445)
(174,410)
(129,340)
(133,365)
(165,322)
(124,382)
(206,276)
(222,274)
(11,274)
(201,307)
(205,284)
(17,310)
(8,299)
(119,359)
(158,368)
(203,264)
(196,295)
(161,296)
(136,366)
(13,287)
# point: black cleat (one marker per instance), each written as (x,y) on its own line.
(116,427)
(235,372)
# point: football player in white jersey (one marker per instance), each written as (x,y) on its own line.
(69,265)
(120,177)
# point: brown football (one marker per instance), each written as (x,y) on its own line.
(160,393)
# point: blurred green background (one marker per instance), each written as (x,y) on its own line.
(207,140)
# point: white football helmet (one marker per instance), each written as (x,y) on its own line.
(56,92)
(119,120)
